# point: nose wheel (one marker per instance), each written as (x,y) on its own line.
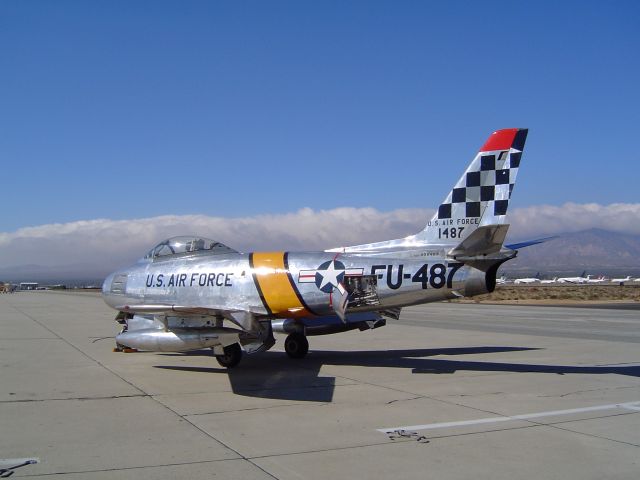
(296,345)
(232,356)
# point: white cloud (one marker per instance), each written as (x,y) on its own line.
(117,242)
(107,244)
(543,220)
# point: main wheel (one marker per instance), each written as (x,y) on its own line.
(232,356)
(296,345)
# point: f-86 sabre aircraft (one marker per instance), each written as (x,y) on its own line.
(190,293)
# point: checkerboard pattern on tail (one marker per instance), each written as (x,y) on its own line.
(481,196)
(487,183)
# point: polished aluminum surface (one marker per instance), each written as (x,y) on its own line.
(202,284)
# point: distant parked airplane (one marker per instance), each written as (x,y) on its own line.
(621,280)
(600,279)
(580,279)
(535,279)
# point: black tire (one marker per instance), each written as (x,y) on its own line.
(296,345)
(232,356)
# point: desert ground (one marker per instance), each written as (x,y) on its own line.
(560,294)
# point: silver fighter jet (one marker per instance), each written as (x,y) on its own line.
(190,293)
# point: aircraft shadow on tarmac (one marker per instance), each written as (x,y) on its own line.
(273,375)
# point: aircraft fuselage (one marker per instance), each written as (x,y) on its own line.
(179,296)
(288,285)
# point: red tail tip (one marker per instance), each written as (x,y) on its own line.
(500,140)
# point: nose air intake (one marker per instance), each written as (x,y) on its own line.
(119,284)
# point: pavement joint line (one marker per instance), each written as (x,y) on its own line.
(532,425)
(590,390)
(240,456)
(418,396)
(136,467)
(630,409)
(353,382)
(82,399)
(304,387)
(249,459)
(8,339)
(222,412)
(633,405)
(398,441)
(592,435)
(83,353)
(333,449)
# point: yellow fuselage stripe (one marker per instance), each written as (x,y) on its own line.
(273,279)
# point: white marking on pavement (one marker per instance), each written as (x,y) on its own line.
(5,462)
(635,406)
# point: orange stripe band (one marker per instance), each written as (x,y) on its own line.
(273,281)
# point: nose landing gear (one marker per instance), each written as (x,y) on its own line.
(232,356)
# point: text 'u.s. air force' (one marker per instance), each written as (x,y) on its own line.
(196,279)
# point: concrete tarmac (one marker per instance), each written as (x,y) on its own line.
(450,391)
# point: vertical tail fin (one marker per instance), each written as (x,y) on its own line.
(481,196)
(477,203)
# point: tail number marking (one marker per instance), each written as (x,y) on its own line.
(437,275)
(453,232)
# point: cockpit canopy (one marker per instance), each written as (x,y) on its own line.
(188,246)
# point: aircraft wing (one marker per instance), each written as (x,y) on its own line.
(172,310)
(166,309)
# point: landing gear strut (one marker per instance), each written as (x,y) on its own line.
(232,356)
(296,345)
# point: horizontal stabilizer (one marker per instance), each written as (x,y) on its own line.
(517,246)
(482,241)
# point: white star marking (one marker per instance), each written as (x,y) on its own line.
(330,275)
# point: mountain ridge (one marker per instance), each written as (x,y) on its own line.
(598,251)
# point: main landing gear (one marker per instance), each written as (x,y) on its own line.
(296,345)
(232,356)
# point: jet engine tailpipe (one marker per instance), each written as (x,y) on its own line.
(477,283)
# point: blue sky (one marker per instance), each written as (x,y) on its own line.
(124,110)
